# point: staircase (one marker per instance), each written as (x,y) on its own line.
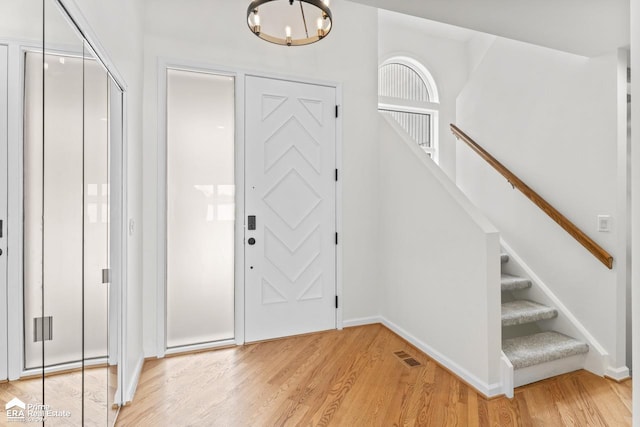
(533,348)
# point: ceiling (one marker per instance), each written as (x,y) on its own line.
(583,27)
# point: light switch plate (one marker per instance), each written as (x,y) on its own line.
(604,223)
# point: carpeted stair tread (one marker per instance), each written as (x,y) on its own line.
(513,283)
(540,348)
(524,311)
(504,257)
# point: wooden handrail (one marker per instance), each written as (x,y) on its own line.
(516,182)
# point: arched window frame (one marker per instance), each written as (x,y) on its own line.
(430,107)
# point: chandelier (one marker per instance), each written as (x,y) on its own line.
(290,22)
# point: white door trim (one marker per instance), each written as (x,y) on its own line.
(180,64)
(118,232)
(161,225)
(15,310)
(4,70)
(339,209)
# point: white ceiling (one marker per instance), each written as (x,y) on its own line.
(584,27)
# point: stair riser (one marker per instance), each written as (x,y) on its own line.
(515,287)
(524,321)
(546,370)
(520,312)
(520,330)
(509,282)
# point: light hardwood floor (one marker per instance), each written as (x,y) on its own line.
(63,392)
(353,378)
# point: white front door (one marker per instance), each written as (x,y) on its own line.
(290,254)
(3,211)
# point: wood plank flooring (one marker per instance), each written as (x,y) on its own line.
(353,378)
(64,392)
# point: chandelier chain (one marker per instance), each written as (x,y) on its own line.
(304,19)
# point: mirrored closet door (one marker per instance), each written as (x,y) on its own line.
(64,363)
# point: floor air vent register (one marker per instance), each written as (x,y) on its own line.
(406,358)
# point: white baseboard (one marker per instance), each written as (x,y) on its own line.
(198,347)
(489,390)
(130,389)
(617,374)
(371,320)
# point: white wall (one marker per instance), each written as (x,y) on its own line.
(442,50)
(118,27)
(21,20)
(551,118)
(440,264)
(214,32)
(477,48)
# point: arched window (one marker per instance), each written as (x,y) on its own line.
(408,93)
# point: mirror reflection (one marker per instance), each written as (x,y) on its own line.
(63,350)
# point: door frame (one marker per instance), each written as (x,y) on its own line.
(161,232)
(4,132)
(15,312)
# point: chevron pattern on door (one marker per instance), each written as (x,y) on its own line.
(290,188)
